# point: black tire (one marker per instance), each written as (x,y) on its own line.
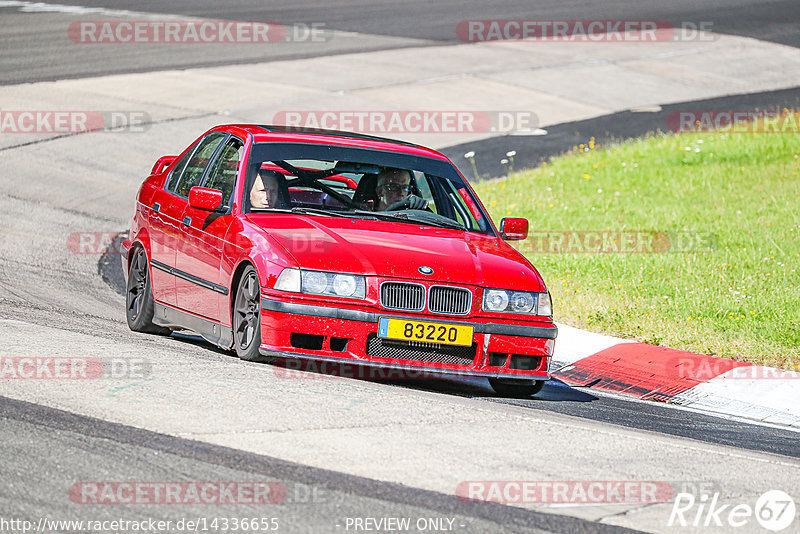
(247,317)
(139,296)
(516,388)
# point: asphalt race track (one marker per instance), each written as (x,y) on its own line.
(313,496)
(384,23)
(559,398)
(342,448)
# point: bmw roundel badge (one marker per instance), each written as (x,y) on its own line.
(425,270)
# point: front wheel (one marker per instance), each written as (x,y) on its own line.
(516,388)
(247,317)
(139,296)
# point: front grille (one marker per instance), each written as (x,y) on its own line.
(417,351)
(452,300)
(403,296)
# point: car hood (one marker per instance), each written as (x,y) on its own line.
(397,250)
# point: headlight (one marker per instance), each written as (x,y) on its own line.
(495,300)
(314,282)
(322,283)
(345,285)
(523,302)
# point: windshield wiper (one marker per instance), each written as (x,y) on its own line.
(431,219)
(414,217)
(357,214)
(314,211)
(420,217)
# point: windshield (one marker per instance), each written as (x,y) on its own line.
(334,181)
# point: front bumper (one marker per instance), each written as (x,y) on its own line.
(349,335)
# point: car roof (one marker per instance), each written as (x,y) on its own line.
(267,133)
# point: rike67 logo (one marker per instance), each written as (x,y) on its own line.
(774,510)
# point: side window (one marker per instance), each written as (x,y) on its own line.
(193,172)
(223,172)
(465,210)
(425,190)
(179,167)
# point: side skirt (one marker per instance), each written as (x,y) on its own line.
(211,331)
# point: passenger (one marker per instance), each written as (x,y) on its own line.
(266,190)
(393,188)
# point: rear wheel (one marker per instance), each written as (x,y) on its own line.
(516,388)
(139,296)
(247,317)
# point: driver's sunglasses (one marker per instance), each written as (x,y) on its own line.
(394,188)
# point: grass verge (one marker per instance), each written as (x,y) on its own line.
(722,215)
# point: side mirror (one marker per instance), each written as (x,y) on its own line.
(514,229)
(206,199)
(162,163)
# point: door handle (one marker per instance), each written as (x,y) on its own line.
(187,221)
(156,207)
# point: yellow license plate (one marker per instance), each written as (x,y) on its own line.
(409,330)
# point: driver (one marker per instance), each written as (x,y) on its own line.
(265,191)
(392,189)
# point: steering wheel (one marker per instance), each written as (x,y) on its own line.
(411,202)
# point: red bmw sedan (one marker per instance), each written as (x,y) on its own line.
(330,246)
